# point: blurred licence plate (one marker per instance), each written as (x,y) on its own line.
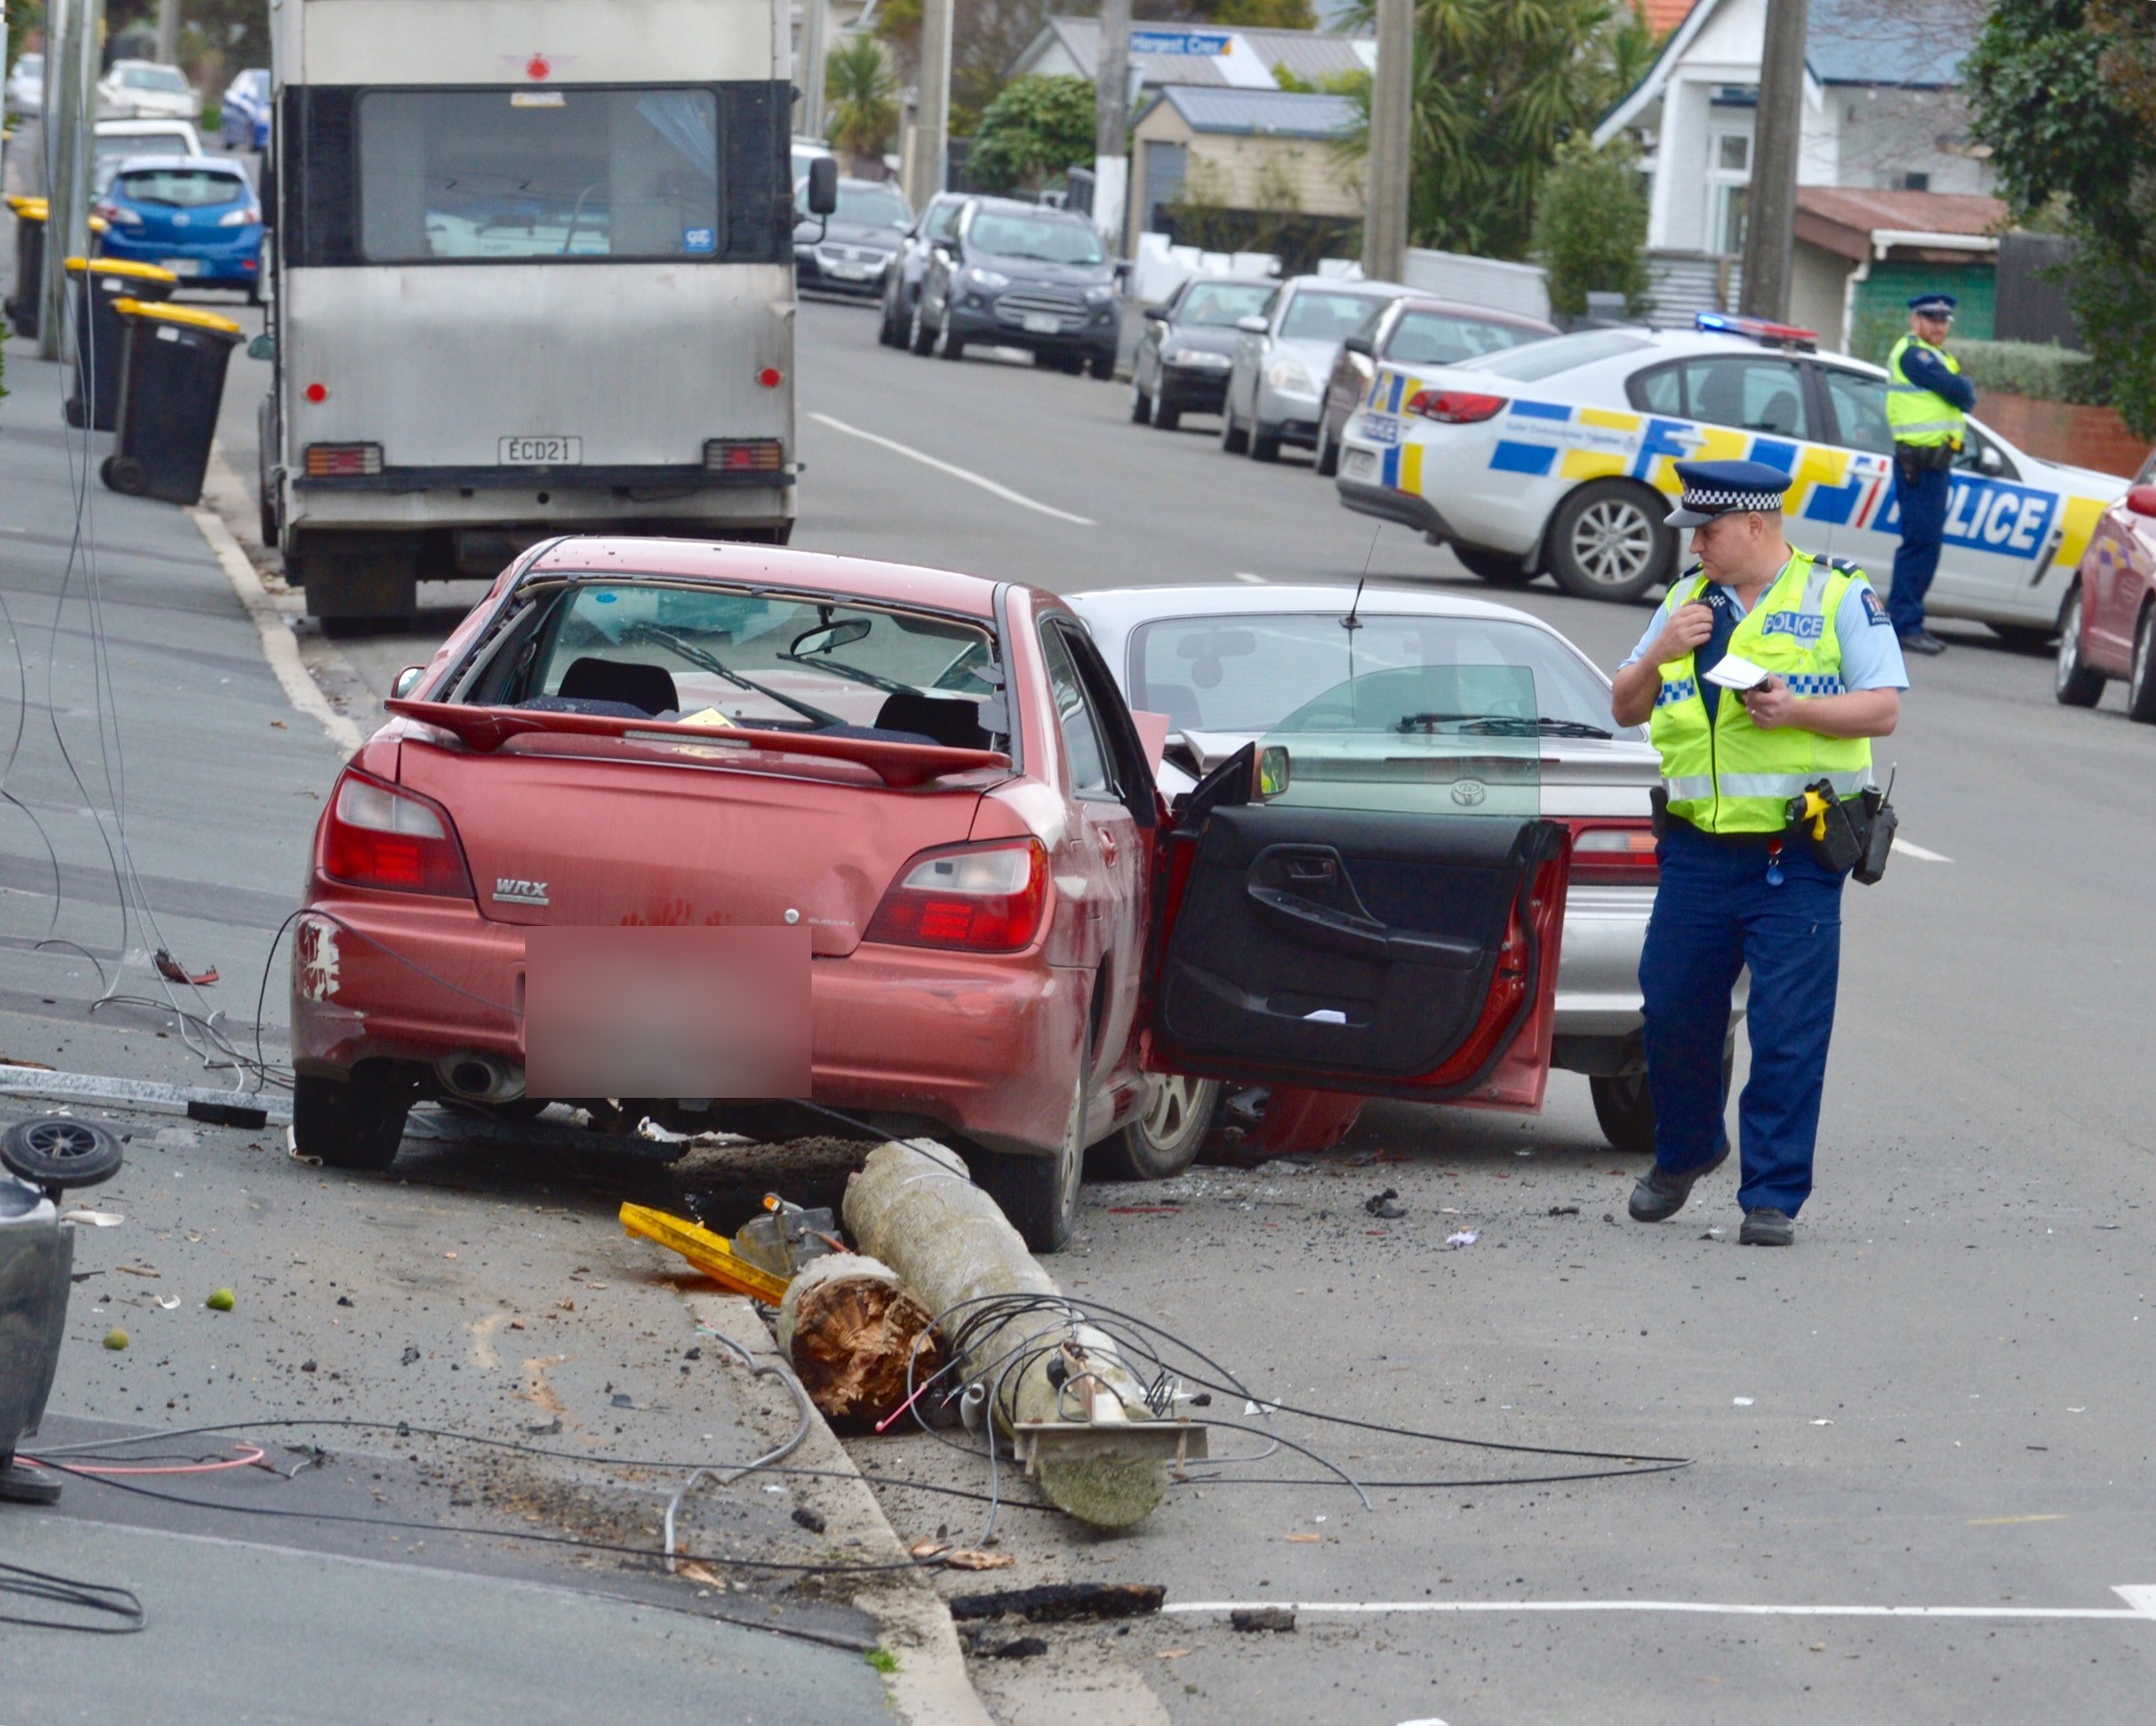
(185,267)
(1380,427)
(1358,464)
(1042,324)
(666,1012)
(848,272)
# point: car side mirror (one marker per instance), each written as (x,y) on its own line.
(823,185)
(1154,314)
(1358,345)
(262,347)
(1253,325)
(407,681)
(2142,500)
(1989,461)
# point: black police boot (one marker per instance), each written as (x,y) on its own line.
(1768,1227)
(1660,1196)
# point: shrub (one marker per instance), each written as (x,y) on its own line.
(1590,226)
(2041,370)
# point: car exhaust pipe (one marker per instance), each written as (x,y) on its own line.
(479,1077)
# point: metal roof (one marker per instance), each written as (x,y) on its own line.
(1261,112)
(1916,42)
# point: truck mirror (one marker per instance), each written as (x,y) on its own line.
(262,347)
(823,185)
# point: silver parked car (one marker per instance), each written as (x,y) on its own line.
(1283,355)
(1226,664)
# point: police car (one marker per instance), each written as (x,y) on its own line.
(1557,457)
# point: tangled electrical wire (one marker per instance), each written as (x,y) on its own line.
(98,1600)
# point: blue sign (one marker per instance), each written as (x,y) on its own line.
(1210,43)
(700,239)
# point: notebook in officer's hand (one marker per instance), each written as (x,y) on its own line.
(1734,671)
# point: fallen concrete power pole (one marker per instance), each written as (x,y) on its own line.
(1074,1413)
(855,1337)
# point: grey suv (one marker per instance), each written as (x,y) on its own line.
(1019,275)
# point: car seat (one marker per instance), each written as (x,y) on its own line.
(649,690)
(950,720)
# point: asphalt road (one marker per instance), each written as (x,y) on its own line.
(1940,1399)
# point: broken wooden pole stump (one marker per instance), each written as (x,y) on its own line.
(1075,1414)
(852,1333)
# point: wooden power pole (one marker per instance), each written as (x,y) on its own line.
(932,123)
(1112,123)
(71,78)
(1392,95)
(1770,207)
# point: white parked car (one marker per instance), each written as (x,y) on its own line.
(1558,459)
(1227,665)
(144,90)
(26,85)
(1283,355)
(115,142)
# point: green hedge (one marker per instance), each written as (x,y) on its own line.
(2041,370)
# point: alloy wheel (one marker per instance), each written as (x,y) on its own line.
(1613,541)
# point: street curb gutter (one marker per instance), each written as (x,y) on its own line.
(930,1687)
(278,646)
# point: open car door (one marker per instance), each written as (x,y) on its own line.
(1368,900)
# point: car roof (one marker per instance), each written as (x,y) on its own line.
(1657,345)
(1018,207)
(1461,308)
(1125,608)
(212,164)
(727,563)
(1352,284)
(138,127)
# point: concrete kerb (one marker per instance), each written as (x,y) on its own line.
(930,1686)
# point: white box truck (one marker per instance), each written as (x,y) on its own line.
(531,274)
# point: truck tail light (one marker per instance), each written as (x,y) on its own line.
(378,836)
(980,898)
(744,454)
(1455,407)
(341,461)
(1614,853)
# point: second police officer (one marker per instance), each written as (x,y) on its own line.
(1737,888)
(1926,402)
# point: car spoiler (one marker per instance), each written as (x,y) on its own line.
(900,766)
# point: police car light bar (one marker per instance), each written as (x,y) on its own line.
(1760,330)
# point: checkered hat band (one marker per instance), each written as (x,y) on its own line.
(1723,498)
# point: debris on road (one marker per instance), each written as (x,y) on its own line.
(1386,1203)
(1017,1648)
(712,1253)
(787,1239)
(220,1300)
(1564,1210)
(1463,1238)
(115,1338)
(1262,1618)
(1064,1602)
(1077,1416)
(972,1558)
(859,1343)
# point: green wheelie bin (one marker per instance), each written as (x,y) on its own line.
(172,383)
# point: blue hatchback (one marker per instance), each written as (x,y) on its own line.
(197,216)
(243,121)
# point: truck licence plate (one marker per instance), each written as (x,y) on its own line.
(542,451)
(1042,324)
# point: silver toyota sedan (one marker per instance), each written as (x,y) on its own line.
(1226,664)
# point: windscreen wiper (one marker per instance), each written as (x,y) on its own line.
(696,656)
(1501,724)
(875,679)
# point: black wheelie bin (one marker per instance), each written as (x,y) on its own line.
(172,383)
(23,307)
(100,333)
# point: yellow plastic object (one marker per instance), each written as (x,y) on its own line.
(1814,810)
(99,226)
(713,1254)
(30,209)
(120,266)
(177,314)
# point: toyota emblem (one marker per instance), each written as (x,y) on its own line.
(1469,792)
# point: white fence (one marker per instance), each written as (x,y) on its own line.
(1515,288)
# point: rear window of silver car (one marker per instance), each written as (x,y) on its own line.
(1247,673)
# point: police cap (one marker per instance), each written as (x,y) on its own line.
(1727,488)
(1933,306)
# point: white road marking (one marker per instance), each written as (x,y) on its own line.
(2140,1604)
(954,470)
(1243,575)
(1918,851)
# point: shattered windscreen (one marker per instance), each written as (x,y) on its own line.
(1436,740)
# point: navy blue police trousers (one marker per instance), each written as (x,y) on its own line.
(1715,912)
(1923,509)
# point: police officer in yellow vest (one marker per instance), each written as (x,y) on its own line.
(1927,402)
(1736,890)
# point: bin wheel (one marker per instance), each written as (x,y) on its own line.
(56,1150)
(124,475)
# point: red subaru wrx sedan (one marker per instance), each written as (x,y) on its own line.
(2109,627)
(699,831)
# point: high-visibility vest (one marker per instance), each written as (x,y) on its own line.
(1915,415)
(1728,775)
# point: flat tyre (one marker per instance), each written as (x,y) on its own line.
(1040,1194)
(349,1123)
(2073,683)
(1163,1140)
(1609,541)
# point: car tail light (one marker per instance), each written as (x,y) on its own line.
(1455,407)
(378,836)
(240,218)
(341,461)
(982,898)
(744,454)
(1614,853)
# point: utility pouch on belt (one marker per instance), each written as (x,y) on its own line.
(1835,833)
(1657,806)
(1881,821)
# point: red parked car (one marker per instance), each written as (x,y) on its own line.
(694,831)
(2109,626)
